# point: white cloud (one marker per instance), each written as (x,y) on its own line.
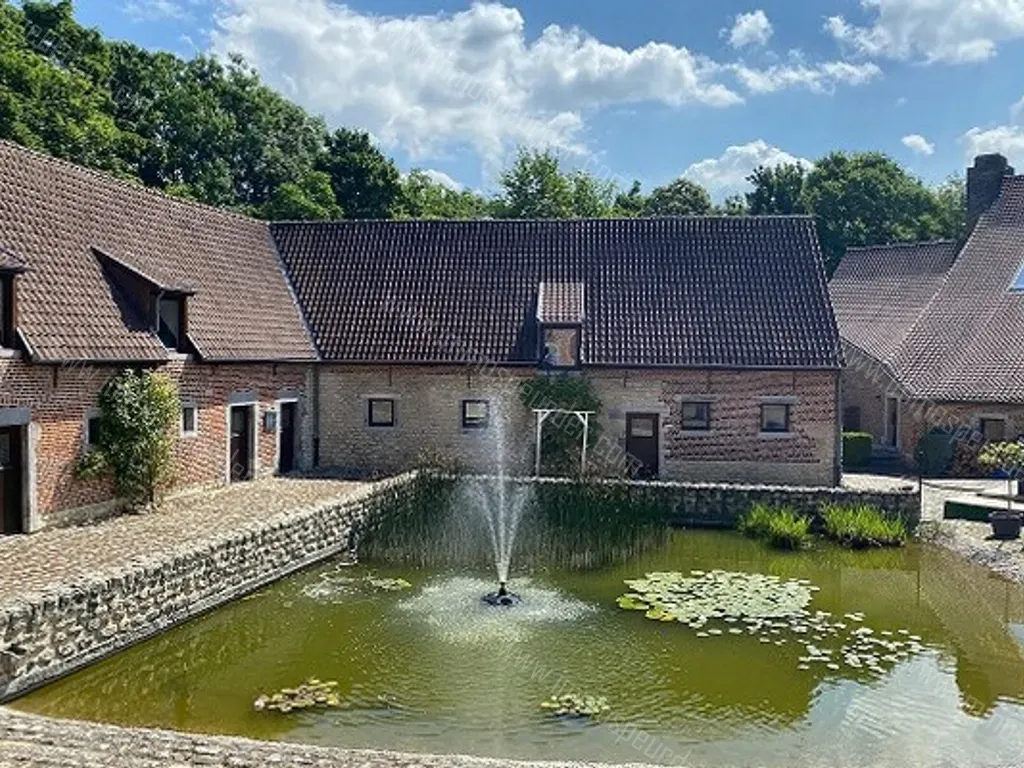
(915,142)
(727,174)
(1017,110)
(157,10)
(1005,139)
(932,30)
(431,83)
(818,78)
(749,29)
(442,178)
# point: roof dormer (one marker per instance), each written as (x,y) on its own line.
(560,325)
(10,267)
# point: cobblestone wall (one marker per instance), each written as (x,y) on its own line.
(48,634)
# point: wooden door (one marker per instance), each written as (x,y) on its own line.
(10,480)
(288,417)
(642,437)
(241,443)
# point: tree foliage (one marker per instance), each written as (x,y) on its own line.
(681,197)
(136,440)
(777,191)
(425,198)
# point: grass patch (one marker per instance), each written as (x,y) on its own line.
(780,527)
(862,525)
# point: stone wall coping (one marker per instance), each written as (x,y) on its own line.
(149,564)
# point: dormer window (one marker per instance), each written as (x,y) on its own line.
(171,320)
(7,329)
(560,323)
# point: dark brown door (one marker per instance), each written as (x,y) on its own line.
(642,442)
(288,417)
(241,443)
(10,480)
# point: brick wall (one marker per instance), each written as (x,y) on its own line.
(59,397)
(428,419)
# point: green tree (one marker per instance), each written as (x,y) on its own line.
(592,198)
(867,199)
(630,204)
(681,197)
(366,183)
(136,442)
(311,199)
(534,187)
(951,197)
(734,205)
(424,198)
(777,190)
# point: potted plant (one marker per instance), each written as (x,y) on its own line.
(1007,458)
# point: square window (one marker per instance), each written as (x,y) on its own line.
(561,347)
(641,426)
(775,418)
(381,413)
(189,420)
(476,414)
(696,416)
(993,430)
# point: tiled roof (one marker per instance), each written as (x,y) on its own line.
(735,292)
(54,215)
(968,344)
(879,292)
(964,343)
(560,303)
(9,262)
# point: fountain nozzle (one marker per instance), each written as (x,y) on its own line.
(502,597)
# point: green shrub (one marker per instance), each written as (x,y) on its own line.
(780,527)
(856,449)
(862,525)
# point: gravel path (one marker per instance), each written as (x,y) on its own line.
(69,555)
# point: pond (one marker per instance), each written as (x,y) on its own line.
(428,668)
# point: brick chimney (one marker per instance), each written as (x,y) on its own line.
(984,182)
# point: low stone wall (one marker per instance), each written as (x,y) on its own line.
(713,505)
(48,634)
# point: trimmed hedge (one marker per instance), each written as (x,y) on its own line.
(856,449)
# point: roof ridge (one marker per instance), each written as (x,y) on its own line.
(132,183)
(587,219)
(917,244)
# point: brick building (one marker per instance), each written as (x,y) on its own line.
(710,342)
(97,275)
(930,330)
(362,345)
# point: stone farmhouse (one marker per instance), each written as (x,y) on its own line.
(359,346)
(930,330)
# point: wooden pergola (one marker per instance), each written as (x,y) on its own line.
(542,415)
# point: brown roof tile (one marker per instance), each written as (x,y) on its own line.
(54,214)
(731,292)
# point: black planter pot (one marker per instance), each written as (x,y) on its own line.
(1005,525)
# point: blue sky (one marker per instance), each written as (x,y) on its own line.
(649,89)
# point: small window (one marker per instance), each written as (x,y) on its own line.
(172,315)
(851,419)
(93,427)
(641,426)
(476,414)
(993,430)
(696,416)
(189,420)
(561,347)
(775,418)
(381,413)
(7,311)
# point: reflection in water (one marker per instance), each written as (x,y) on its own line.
(457,676)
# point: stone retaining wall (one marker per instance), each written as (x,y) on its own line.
(48,634)
(714,505)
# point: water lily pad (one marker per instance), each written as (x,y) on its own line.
(575,705)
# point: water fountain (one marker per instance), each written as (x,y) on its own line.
(500,505)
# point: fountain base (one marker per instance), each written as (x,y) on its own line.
(502,598)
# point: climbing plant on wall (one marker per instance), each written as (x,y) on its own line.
(562,436)
(136,441)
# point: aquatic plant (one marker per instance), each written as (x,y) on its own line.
(862,525)
(701,596)
(781,527)
(576,705)
(308,695)
(333,585)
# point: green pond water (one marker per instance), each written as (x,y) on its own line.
(431,669)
